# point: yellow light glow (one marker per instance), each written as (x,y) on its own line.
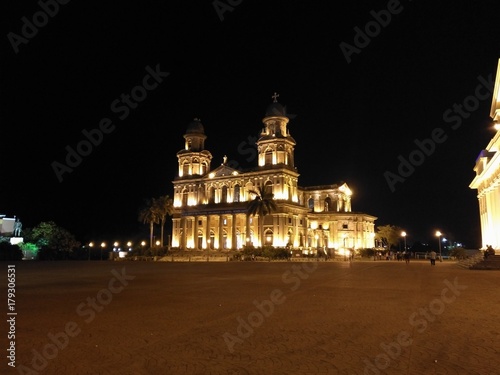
(211,175)
(314,225)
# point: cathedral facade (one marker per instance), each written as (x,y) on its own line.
(487,179)
(211,205)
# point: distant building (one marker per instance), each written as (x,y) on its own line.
(7,225)
(211,205)
(11,228)
(487,180)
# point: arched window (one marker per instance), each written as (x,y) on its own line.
(185,168)
(236,197)
(223,197)
(269,156)
(185,195)
(203,168)
(196,166)
(268,237)
(211,198)
(328,204)
(310,203)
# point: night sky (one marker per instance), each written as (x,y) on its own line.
(359,105)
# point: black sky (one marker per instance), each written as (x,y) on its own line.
(352,120)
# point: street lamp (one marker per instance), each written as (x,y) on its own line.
(91,245)
(438,235)
(403,233)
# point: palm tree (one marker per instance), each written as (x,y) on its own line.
(163,207)
(149,215)
(263,204)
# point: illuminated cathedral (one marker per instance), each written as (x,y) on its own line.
(211,205)
(487,179)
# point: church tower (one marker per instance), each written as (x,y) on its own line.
(194,160)
(275,145)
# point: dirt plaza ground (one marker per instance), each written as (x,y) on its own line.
(364,317)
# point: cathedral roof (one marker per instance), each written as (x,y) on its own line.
(195,127)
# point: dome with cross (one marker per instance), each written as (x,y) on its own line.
(275,108)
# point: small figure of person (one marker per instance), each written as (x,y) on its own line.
(433,257)
(407,257)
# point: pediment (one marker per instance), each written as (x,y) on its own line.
(222,171)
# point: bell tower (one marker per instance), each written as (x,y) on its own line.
(194,160)
(275,145)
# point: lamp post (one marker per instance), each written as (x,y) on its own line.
(403,233)
(103,245)
(438,235)
(91,245)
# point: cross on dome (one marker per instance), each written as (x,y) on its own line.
(275,97)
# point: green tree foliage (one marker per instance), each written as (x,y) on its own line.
(163,206)
(390,235)
(29,249)
(53,241)
(149,214)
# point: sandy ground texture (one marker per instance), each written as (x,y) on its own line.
(364,317)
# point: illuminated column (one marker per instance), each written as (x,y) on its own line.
(489,219)
(175,232)
(495,202)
